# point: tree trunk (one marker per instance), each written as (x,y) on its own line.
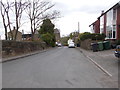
(9,26)
(5,27)
(16,13)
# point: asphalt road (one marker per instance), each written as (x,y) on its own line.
(57,68)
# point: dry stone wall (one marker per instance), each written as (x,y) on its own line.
(13,48)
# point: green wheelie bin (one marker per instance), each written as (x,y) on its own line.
(106,45)
(100,46)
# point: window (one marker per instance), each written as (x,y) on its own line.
(92,29)
(114,31)
(102,24)
(111,24)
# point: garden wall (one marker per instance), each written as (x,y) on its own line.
(86,44)
(13,48)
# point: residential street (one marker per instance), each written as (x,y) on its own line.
(60,67)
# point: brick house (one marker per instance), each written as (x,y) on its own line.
(95,27)
(108,23)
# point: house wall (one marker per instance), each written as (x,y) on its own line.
(57,37)
(105,20)
(107,25)
(118,23)
(97,26)
(19,35)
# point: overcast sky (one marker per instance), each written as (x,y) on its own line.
(73,11)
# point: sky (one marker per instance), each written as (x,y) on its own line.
(73,11)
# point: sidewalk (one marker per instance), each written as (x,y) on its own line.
(103,53)
(105,59)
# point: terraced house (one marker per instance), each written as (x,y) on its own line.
(108,23)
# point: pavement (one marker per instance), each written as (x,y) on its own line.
(105,60)
(98,53)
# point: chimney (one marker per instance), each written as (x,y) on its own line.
(102,12)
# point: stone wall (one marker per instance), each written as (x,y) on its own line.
(0,50)
(13,48)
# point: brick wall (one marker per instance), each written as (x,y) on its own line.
(97,26)
(118,23)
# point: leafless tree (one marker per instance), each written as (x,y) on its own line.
(19,6)
(4,8)
(37,11)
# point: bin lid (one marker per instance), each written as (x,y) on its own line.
(100,42)
(106,41)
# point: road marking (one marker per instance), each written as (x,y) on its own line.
(100,67)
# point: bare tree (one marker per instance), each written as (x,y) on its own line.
(3,10)
(19,6)
(37,12)
(9,6)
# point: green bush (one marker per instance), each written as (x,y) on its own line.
(49,39)
(84,36)
(98,36)
(92,36)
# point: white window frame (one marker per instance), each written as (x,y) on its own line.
(113,24)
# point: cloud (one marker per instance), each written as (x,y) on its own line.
(74,11)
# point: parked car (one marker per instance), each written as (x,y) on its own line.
(71,45)
(59,44)
(117,51)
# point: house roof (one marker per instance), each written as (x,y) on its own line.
(115,6)
(93,23)
(14,30)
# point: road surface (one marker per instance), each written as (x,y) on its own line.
(60,67)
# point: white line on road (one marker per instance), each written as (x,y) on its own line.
(100,67)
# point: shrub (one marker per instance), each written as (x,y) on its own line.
(49,39)
(98,36)
(92,36)
(84,36)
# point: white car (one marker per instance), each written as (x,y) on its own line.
(71,45)
(59,44)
